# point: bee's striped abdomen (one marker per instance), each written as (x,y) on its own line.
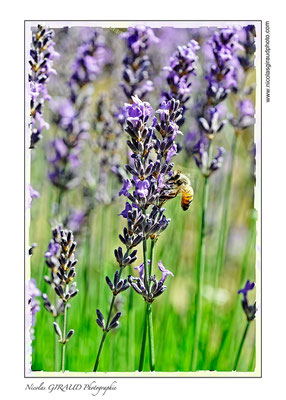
(187,197)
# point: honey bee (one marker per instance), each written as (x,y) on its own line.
(181,185)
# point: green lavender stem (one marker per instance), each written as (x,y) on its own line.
(225,215)
(150,319)
(105,332)
(222,236)
(142,353)
(130,334)
(148,323)
(200,278)
(151,338)
(64,337)
(241,346)
(145,323)
(56,353)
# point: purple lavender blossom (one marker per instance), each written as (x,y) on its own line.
(211,123)
(125,188)
(165,271)
(222,76)
(60,260)
(91,58)
(64,154)
(200,152)
(180,71)
(76,220)
(247,40)
(248,286)
(63,164)
(137,63)
(31,194)
(32,293)
(245,117)
(42,55)
(156,287)
(250,310)
(53,249)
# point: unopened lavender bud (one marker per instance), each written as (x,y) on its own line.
(100,316)
(113,325)
(114,322)
(47,279)
(72,248)
(100,323)
(59,291)
(69,236)
(74,293)
(119,285)
(58,330)
(108,281)
(69,335)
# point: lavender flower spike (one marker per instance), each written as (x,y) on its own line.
(137,63)
(245,117)
(181,68)
(42,54)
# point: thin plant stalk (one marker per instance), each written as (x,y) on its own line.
(151,338)
(200,278)
(241,346)
(222,236)
(130,334)
(225,215)
(148,323)
(142,353)
(250,245)
(64,336)
(150,318)
(145,324)
(56,351)
(105,332)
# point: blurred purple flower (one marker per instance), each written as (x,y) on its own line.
(33,304)
(42,54)
(31,194)
(139,38)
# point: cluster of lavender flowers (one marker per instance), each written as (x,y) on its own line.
(247,40)
(61,263)
(222,78)
(42,54)
(180,71)
(64,152)
(91,58)
(223,73)
(151,182)
(137,62)
(108,144)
